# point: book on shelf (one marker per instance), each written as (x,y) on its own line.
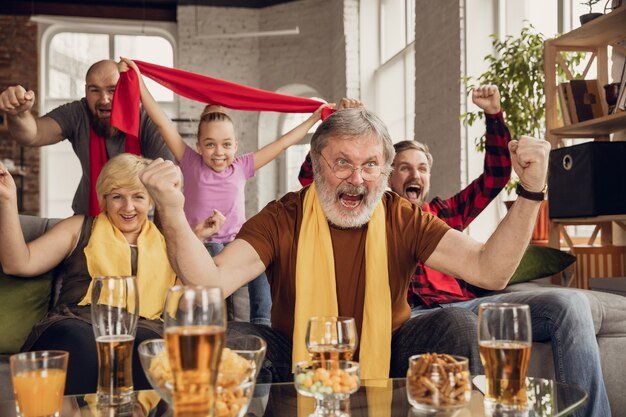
(587,99)
(620,104)
(569,98)
(564,104)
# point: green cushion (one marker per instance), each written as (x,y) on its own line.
(540,262)
(23,302)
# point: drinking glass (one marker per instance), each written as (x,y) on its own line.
(504,341)
(114,313)
(331,338)
(38,382)
(195,327)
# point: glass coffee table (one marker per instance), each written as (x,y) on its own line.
(375,398)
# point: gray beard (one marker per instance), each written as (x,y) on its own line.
(329,199)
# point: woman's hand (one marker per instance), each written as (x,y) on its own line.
(8,190)
(209,226)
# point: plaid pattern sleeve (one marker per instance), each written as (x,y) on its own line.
(429,287)
(306,171)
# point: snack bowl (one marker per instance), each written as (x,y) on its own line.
(327,378)
(153,357)
(235,380)
(438,382)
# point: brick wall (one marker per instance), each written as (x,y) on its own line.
(19,65)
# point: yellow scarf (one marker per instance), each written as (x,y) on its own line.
(108,254)
(316,293)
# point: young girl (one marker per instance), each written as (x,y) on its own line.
(214,180)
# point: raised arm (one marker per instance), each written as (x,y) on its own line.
(168,131)
(267,153)
(24,128)
(490,265)
(468,203)
(42,254)
(237,264)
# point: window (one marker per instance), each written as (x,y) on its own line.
(395,70)
(69,48)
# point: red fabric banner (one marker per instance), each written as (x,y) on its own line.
(200,88)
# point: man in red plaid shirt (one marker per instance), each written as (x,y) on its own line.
(411,179)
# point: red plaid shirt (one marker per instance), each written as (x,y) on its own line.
(430,287)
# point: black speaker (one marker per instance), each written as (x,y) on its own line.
(587,180)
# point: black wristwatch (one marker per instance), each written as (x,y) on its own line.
(529,195)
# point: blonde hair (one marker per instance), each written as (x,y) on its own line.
(122,171)
(214,113)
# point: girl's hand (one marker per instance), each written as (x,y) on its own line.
(209,226)
(125,64)
(8,190)
(349,103)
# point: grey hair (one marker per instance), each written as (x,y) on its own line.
(351,123)
(405,145)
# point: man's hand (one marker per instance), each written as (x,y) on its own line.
(209,226)
(529,157)
(15,100)
(487,97)
(163,181)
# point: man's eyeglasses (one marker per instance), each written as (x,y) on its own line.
(343,170)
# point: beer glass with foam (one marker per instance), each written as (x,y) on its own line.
(195,327)
(331,338)
(504,341)
(114,313)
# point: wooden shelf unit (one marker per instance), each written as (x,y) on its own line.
(594,37)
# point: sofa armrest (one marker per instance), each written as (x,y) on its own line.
(33,226)
(607,310)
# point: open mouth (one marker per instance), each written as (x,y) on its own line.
(103,112)
(350,200)
(413,192)
(128,217)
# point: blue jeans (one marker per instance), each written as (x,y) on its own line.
(562,317)
(258,292)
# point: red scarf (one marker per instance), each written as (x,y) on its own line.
(124,114)
(98,157)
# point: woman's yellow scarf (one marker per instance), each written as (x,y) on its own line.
(108,253)
(316,293)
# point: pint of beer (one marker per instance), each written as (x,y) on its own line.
(195,327)
(114,312)
(504,341)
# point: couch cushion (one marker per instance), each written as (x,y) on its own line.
(23,302)
(539,262)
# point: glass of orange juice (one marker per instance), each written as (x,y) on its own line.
(38,382)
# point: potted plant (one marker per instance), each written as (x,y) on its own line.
(587,17)
(516,67)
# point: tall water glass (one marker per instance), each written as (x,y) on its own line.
(331,338)
(195,327)
(114,313)
(504,340)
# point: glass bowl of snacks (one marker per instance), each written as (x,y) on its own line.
(154,361)
(235,380)
(330,382)
(438,382)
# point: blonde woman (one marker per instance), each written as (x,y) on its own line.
(119,241)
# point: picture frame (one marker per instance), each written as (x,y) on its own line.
(4,123)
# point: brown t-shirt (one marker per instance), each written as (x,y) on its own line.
(273,233)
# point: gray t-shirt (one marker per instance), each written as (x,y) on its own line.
(74,121)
